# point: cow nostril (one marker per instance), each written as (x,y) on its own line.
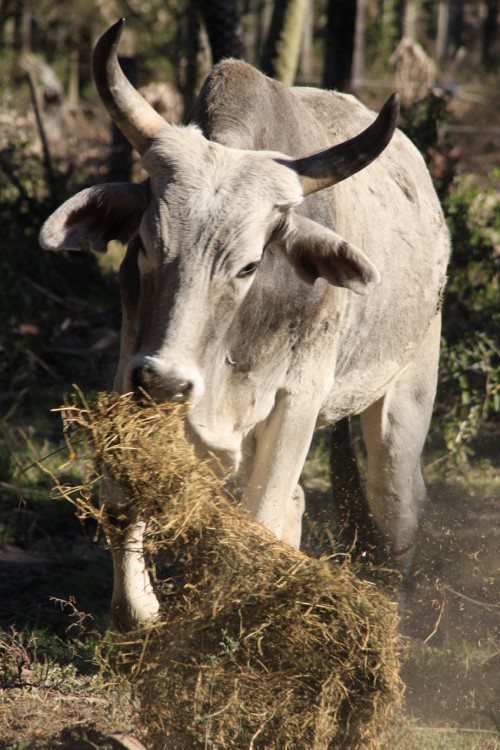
(140,379)
(160,387)
(170,389)
(178,390)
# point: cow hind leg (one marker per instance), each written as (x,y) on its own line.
(356,533)
(394,430)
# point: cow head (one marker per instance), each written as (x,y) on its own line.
(199,228)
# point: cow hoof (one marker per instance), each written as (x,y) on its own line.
(132,616)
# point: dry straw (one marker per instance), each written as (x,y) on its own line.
(258,646)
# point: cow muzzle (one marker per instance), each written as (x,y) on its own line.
(176,382)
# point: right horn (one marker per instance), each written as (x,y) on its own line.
(326,168)
(130,112)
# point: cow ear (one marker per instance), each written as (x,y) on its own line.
(96,216)
(316,251)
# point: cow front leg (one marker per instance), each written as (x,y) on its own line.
(133,603)
(292,523)
(272,494)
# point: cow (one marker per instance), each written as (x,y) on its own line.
(274,283)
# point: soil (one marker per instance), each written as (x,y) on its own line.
(452,613)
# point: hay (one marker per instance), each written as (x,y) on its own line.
(258,646)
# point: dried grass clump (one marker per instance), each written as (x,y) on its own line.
(258,646)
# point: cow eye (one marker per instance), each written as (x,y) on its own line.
(247,270)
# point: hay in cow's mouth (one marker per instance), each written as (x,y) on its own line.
(257,646)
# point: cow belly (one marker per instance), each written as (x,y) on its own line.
(353,393)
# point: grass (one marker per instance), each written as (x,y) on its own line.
(28,456)
(65,677)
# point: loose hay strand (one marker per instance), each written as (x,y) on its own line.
(258,646)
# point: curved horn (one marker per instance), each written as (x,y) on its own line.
(137,120)
(328,167)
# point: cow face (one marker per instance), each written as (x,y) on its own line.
(212,212)
(199,230)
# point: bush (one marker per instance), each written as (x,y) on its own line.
(469,393)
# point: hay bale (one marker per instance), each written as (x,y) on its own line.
(258,645)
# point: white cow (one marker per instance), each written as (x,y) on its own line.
(269,300)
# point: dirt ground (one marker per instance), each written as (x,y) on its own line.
(452,613)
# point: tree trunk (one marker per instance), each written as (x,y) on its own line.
(339,44)
(223,23)
(489,33)
(187,23)
(443,25)
(18,16)
(280,56)
(358,62)
(456,28)
(411,19)
(74,78)
(390,22)
(400,11)
(306,54)
(261,22)
(391,13)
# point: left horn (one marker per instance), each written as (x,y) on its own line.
(130,112)
(326,168)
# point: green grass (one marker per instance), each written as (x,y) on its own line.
(30,456)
